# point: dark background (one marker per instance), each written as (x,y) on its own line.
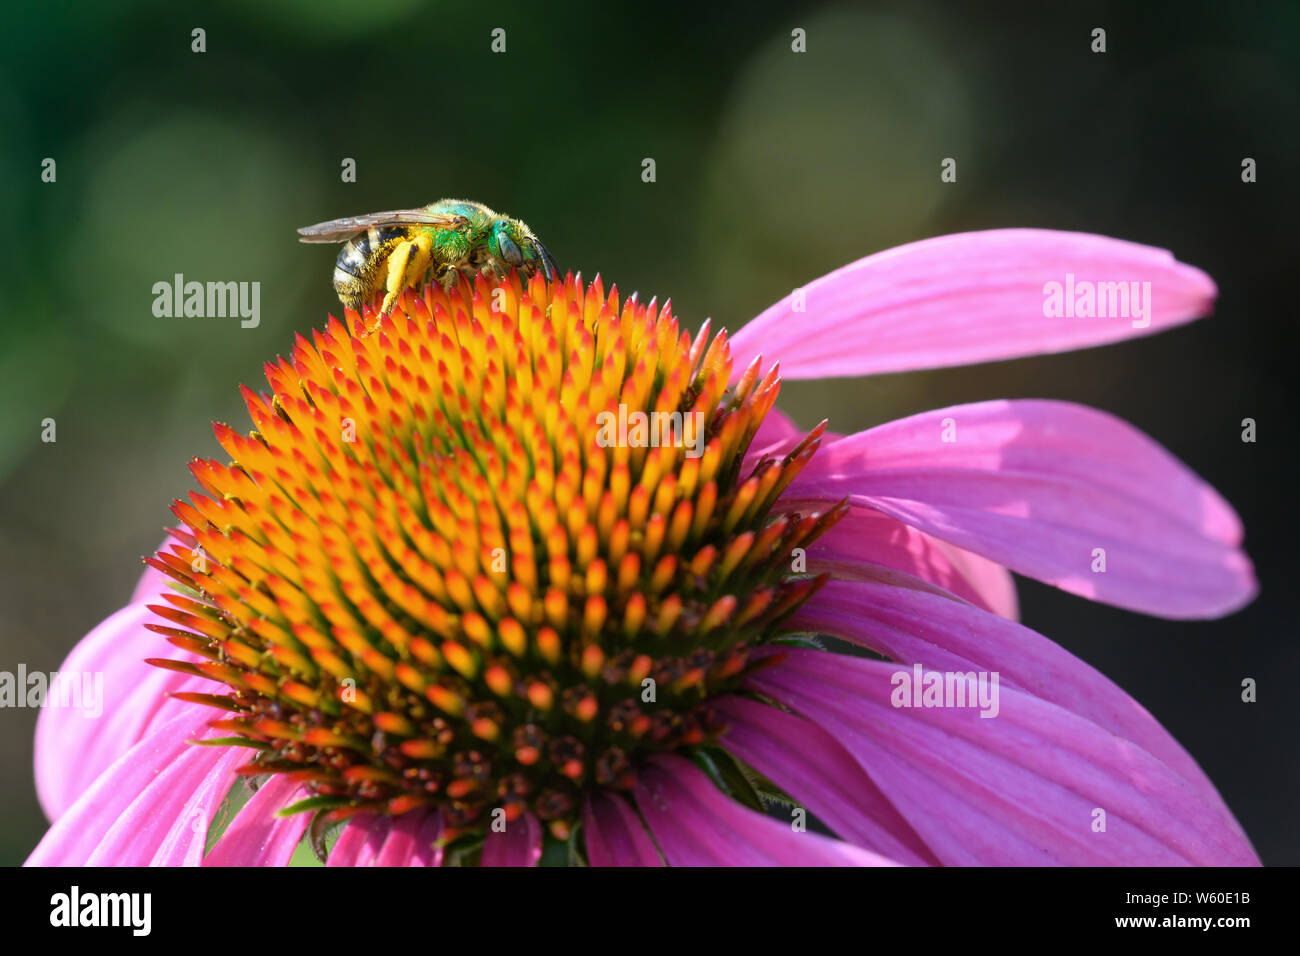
(773,168)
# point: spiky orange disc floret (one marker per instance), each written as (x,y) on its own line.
(428,581)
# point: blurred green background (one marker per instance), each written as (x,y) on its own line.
(772,168)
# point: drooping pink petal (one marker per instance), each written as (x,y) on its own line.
(807,763)
(971,297)
(614,834)
(257,837)
(520,844)
(864,542)
(1039,487)
(356,833)
(167,824)
(695,824)
(867,542)
(360,842)
(410,840)
(72,750)
(941,634)
(992,584)
(406,840)
(129,814)
(1020,788)
(427,850)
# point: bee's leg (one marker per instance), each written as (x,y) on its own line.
(448,275)
(547,262)
(418,263)
(446,249)
(395,283)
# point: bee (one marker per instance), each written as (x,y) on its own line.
(396,250)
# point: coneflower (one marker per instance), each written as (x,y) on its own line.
(434,597)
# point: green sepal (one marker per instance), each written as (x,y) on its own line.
(557,852)
(234,800)
(313,803)
(465,850)
(727,774)
(800,640)
(319,831)
(554,852)
(231,742)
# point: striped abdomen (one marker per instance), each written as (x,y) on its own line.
(358,271)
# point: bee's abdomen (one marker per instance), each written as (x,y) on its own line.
(356,271)
(358,255)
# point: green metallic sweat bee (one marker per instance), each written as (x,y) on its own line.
(396,250)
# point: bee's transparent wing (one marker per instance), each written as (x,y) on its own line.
(341,230)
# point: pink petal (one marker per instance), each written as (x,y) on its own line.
(167,824)
(360,842)
(410,841)
(993,586)
(1020,788)
(257,837)
(1037,486)
(960,299)
(865,543)
(407,840)
(73,750)
(868,543)
(150,807)
(944,635)
(519,845)
(696,825)
(615,835)
(807,763)
(427,850)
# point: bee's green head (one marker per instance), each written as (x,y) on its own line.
(513,242)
